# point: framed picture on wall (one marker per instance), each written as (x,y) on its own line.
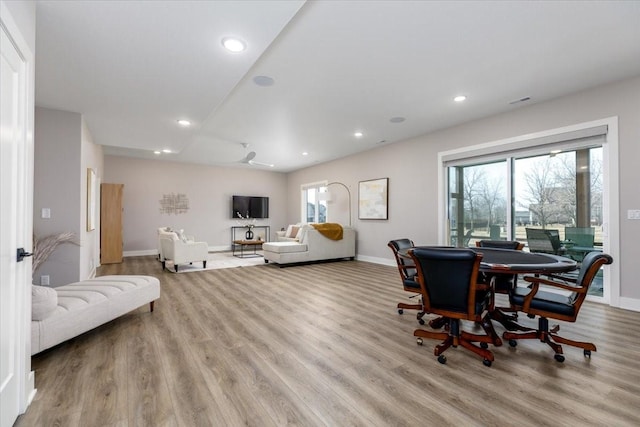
(91,199)
(373,199)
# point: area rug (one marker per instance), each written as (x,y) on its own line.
(218,260)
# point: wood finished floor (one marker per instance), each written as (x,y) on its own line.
(320,345)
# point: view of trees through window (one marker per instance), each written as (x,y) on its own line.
(315,209)
(548,191)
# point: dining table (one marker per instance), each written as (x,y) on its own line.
(509,261)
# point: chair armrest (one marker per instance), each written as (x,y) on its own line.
(566,287)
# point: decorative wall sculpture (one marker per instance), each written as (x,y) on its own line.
(174,204)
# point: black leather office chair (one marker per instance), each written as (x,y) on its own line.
(407,274)
(502,283)
(448,279)
(536,302)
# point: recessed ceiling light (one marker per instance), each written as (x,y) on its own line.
(157,153)
(397,119)
(183,122)
(460,98)
(305,153)
(263,81)
(166,150)
(358,134)
(233,45)
(555,151)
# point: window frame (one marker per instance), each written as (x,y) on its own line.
(541,141)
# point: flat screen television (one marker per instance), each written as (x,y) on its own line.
(250,206)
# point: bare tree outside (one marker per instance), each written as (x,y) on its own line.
(542,191)
(472,177)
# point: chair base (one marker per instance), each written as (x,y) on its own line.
(455,337)
(547,336)
(509,321)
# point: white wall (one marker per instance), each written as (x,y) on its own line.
(208,189)
(412,169)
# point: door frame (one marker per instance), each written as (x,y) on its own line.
(23,210)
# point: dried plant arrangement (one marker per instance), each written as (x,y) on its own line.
(43,247)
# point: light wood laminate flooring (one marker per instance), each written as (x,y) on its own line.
(321,345)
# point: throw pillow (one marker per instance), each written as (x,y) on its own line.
(182,236)
(288,232)
(294,231)
(44,301)
(300,234)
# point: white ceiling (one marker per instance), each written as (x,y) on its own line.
(133,68)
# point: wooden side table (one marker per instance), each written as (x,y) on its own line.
(246,244)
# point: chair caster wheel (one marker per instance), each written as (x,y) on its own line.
(559,358)
(484,345)
(419,341)
(421,321)
(513,343)
(486,362)
(442,359)
(587,353)
(400,311)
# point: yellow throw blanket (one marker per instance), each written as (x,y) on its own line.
(329,230)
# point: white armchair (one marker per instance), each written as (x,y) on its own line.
(181,250)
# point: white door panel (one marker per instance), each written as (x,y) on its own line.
(13,275)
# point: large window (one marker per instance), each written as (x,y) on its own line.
(556,182)
(314,207)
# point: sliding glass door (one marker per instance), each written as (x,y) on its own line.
(499,198)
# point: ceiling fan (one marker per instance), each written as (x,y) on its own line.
(248,159)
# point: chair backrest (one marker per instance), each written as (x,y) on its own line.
(448,278)
(588,269)
(580,236)
(544,240)
(500,244)
(405,265)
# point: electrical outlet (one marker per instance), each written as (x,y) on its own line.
(44,280)
(46,213)
(633,214)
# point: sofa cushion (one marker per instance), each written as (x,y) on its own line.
(293,232)
(284,247)
(44,301)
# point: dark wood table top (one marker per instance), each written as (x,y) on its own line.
(517,262)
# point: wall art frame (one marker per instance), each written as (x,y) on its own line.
(92,195)
(373,199)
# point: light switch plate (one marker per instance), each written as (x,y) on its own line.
(633,214)
(46,213)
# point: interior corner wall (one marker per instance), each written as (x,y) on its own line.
(91,157)
(411,167)
(57,188)
(208,190)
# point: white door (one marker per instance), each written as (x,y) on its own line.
(14,276)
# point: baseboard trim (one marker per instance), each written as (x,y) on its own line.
(630,304)
(147,252)
(376,260)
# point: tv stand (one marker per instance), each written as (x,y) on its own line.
(239,233)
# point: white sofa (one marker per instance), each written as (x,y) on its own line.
(311,246)
(61,313)
(174,246)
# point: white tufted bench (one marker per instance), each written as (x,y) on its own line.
(73,309)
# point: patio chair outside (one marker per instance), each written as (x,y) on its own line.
(545,241)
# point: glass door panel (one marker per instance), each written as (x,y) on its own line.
(559,191)
(478,203)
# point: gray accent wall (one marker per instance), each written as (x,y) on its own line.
(63,152)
